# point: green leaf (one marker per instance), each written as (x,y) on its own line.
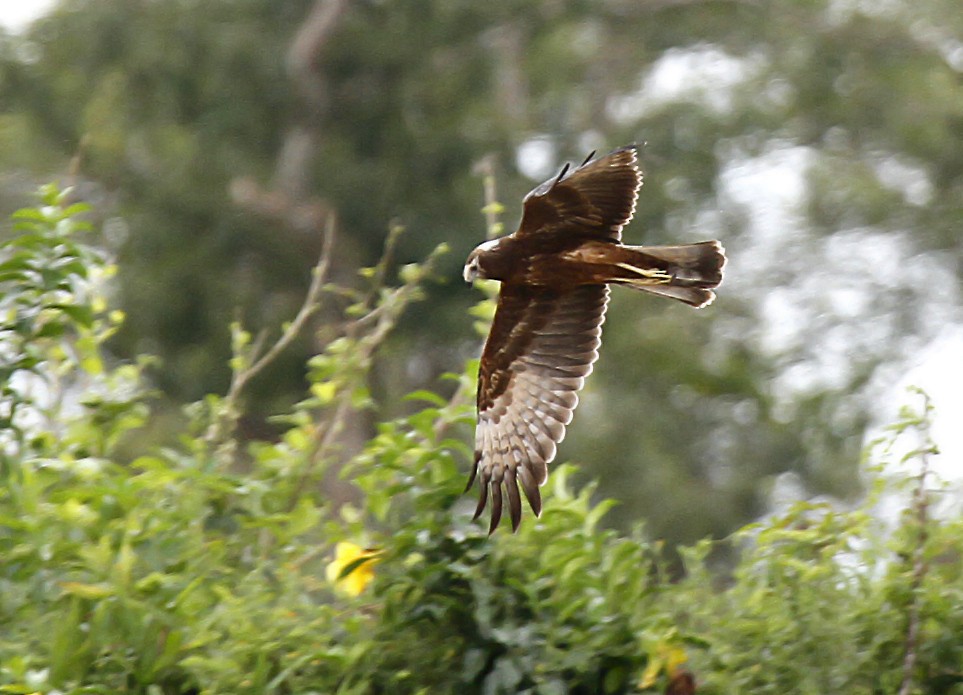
(303,517)
(427,396)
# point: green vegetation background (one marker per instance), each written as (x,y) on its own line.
(212,566)
(219,140)
(215,137)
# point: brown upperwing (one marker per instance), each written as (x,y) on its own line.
(596,200)
(541,347)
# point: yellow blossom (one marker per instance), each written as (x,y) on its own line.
(361,573)
(668,658)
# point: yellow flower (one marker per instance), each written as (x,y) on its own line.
(352,568)
(668,658)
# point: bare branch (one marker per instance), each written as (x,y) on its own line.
(258,360)
(312,302)
(304,215)
(302,57)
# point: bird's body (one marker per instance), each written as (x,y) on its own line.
(545,336)
(564,262)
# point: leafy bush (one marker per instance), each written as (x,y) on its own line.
(216,566)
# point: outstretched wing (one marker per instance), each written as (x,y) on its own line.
(540,349)
(595,200)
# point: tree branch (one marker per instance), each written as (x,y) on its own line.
(312,303)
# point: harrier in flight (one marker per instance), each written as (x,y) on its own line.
(554,272)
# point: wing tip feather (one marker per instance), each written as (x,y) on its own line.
(529,485)
(514,502)
(482,502)
(561,175)
(483,493)
(524,479)
(496,508)
(474,472)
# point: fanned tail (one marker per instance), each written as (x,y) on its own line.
(688,273)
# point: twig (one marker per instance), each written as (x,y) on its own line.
(920,505)
(292,330)
(463,395)
(258,360)
(367,332)
(486,168)
(378,281)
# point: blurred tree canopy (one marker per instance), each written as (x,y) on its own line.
(820,141)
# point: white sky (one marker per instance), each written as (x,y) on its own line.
(938,370)
(17,14)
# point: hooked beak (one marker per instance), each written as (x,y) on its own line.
(472,271)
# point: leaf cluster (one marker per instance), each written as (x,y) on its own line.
(202,567)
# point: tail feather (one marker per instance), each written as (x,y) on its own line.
(687,273)
(693,296)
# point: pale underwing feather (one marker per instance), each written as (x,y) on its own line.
(518,432)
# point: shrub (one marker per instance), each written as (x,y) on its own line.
(216,566)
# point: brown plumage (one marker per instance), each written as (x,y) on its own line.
(547,330)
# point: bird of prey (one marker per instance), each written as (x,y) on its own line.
(554,272)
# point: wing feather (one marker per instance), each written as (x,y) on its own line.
(541,347)
(595,200)
(530,487)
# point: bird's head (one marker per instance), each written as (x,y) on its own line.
(473,270)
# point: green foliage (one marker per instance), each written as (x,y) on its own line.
(171,110)
(206,567)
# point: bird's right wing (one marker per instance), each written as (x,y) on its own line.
(541,347)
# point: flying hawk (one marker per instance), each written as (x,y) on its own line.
(554,272)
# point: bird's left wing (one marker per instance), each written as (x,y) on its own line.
(541,347)
(594,200)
